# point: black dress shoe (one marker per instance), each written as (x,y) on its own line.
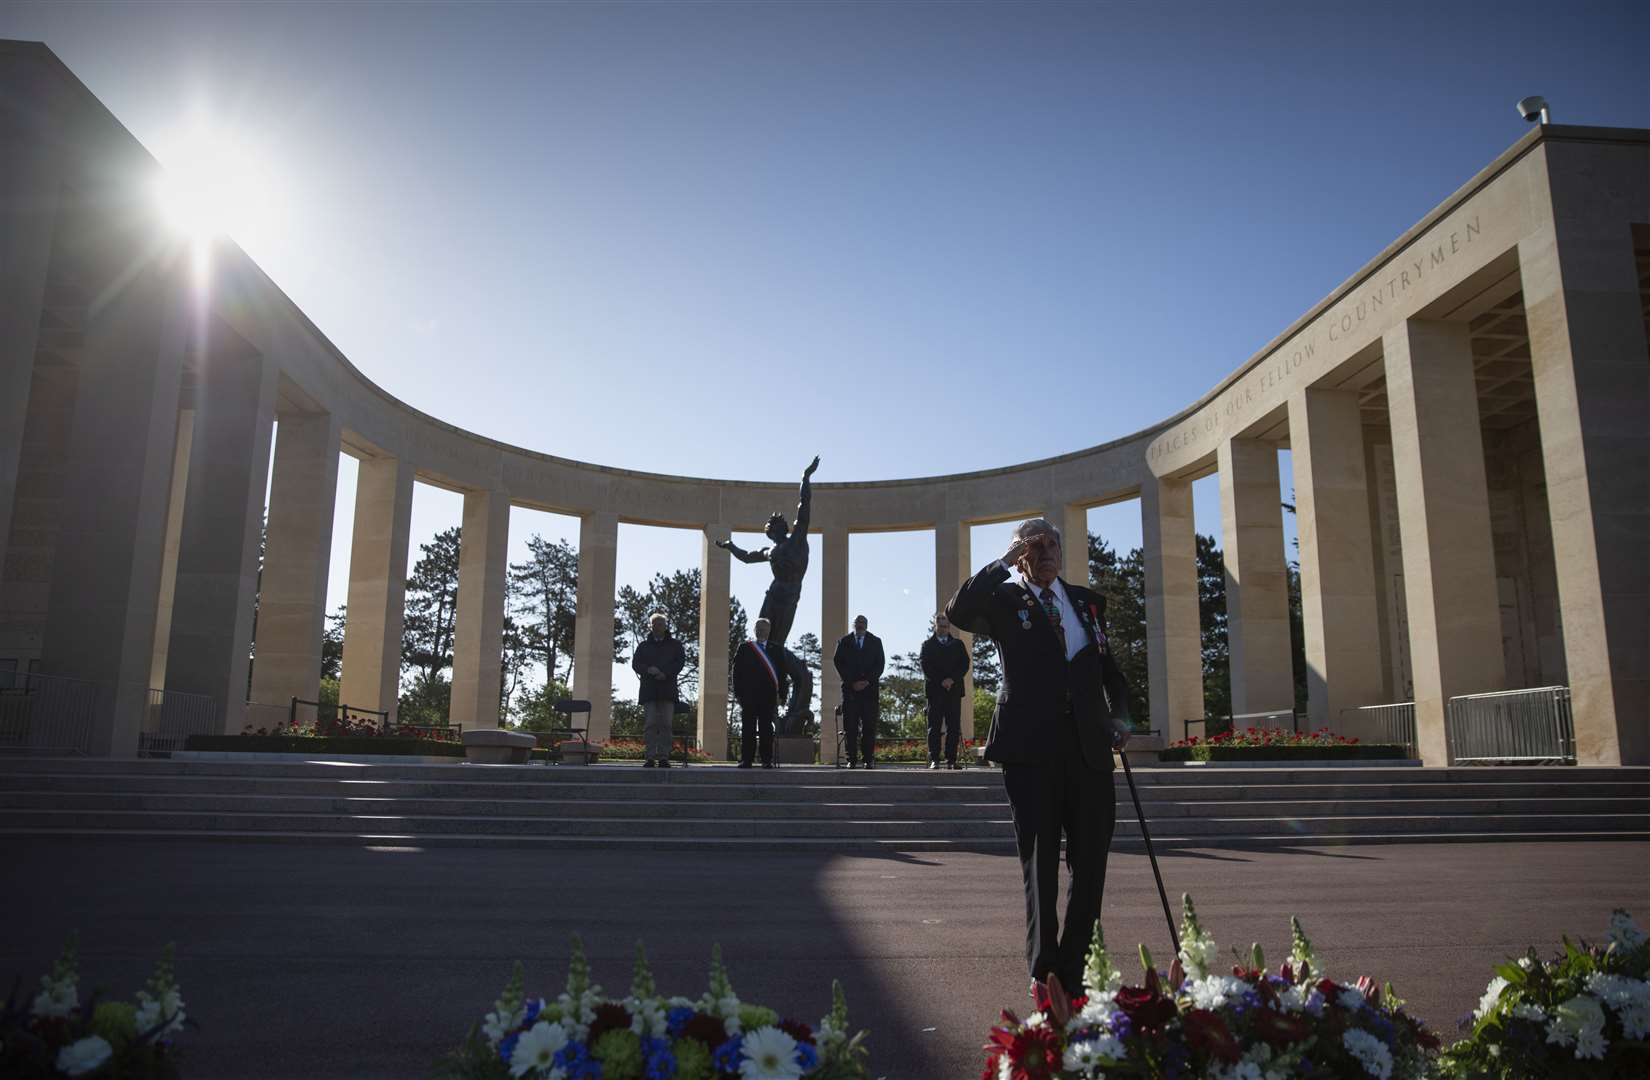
(744,765)
(853,764)
(767,764)
(664,763)
(932,765)
(955,765)
(647,763)
(870,764)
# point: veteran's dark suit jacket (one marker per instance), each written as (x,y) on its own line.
(854,662)
(1036,674)
(753,687)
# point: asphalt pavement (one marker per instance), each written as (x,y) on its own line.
(322,962)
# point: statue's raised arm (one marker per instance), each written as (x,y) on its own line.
(741,554)
(805,498)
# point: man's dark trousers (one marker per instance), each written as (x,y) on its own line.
(1063,795)
(758,721)
(944,711)
(859,722)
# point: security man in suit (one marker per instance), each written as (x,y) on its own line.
(858,661)
(944,666)
(756,688)
(1062,709)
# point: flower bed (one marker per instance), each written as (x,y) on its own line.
(636,750)
(1276,744)
(327,744)
(916,750)
(58,1036)
(1194,1022)
(344,728)
(583,1035)
(1585,1013)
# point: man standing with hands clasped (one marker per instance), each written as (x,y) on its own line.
(944,666)
(858,661)
(1062,709)
(658,661)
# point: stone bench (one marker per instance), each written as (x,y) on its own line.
(495,746)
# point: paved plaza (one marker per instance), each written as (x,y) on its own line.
(303,961)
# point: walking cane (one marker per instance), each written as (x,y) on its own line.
(1140,816)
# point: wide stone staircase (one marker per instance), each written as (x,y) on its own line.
(623,806)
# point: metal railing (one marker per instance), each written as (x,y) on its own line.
(325,715)
(1393,723)
(1238,721)
(173,716)
(46,713)
(1523,726)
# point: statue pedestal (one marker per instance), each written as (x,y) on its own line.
(793,749)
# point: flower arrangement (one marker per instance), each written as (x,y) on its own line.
(1585,1013)
(57,1035)
(1193,1021)
(583,1035)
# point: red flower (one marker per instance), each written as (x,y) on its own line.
(797,1030)
(1148,1011)
(1208,1034)
(1035,1052)
(610,1016)
(1280,1029)
(708,1030)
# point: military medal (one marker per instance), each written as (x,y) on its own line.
(1025,619)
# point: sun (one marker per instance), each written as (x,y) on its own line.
(216,183)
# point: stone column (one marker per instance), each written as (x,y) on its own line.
(478,627)
(1257,588)
(32,145)
(593,626)
(715,609)
(833,617)
(1592,383)
(174,538)
(1174,644)
(952,566)
(1339,605)
(292,595)
(106,575)
(217,581)
(1444,521)
(377,585)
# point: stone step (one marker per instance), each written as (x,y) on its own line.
(864,827)
(1122,842)
(626,773)
(645,804)
(669,786)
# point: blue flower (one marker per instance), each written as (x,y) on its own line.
(1121,1025)
(677,1018)
(575,1058)
(807,1056)
(660,1062)
(726,1057)
(533,1008)
(507,1047)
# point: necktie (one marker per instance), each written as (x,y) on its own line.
(859,642)
(1051,607)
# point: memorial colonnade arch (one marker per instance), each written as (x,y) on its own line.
(141,397)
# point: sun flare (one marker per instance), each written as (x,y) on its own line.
(214,183)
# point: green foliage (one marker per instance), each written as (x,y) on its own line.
(532,709)
(903,698)
(984,664)
(332,646)
(432,608)
(1121,579)
(620,1053)
(1211,610)
(985,706)
(326,744)
(1204,751)
(542,598)
(426,700)
(115,1022)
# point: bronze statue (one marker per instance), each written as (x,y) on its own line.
(788,559)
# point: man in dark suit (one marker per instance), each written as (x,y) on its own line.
(944,666)
(858,661)
(1062,709)
(756,688)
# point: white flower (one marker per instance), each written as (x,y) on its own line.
(1629,997)
(1196,952)
(1492,994)
(1096,1012)
(80,1058)
(1526,963)
(56,999)
(152,1010)
(536,1050)
(1243,1070)
(1086,1055)
(647,1018)
(1371,1052)
(497,1024)
(1213,991)
(1624,932)
(1580,1021)
(768,1054)
(1526,1011)
(1351,1000)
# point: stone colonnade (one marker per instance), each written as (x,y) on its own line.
(135,443)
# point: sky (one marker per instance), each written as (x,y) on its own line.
(716,239)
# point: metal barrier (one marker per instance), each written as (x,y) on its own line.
(1394,723)
(329,718)
(46,713)
(1246,720)
(173,716)
(1524,726)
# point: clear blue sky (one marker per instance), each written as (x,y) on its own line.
(626,233)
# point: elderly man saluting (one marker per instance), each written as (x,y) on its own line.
(1062,709)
